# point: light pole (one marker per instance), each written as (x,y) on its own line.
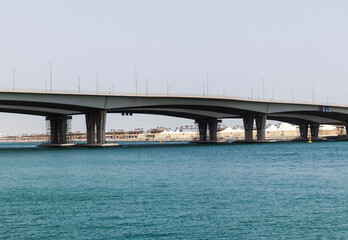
(263,88)
(313,93)
(207,85)
(13,78)
(251,92)
(136,81)
(167,86)
(146,86)
(78,84)
(97,80)
(223,89)
(292,95)
(50,77)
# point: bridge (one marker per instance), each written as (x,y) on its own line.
(205,111)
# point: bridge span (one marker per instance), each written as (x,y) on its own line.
(205,111)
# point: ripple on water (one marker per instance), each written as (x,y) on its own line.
(261,191)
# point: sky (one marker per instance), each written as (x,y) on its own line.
(292,45)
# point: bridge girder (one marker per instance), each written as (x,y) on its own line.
(48,104)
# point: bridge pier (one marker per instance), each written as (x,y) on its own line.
(100,122)
(210,124)
(248,122)
(58,129)
(202,126)
(90,127)
(213,124)
(303,131)
(314,130)
(260,126)
(95,126)
(248,128)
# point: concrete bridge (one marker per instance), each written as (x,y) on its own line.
(205,111)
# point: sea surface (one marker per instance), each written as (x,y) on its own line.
(169,191)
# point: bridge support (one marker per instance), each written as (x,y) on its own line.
(213,124)
(314,130)
(58,128)
(248,128)
(260,126)
(100,122)
(204,125)
(303,131)
(95,125)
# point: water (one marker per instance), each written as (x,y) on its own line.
(258,191)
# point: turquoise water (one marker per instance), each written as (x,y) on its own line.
(255,191)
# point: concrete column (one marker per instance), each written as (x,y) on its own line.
(90,127)
(248,128)
(58,128)
(314,130)
(95,126)
(202,126)
(303,131)
(53,131)
(260,126)
(213,123)
(100,122)
(62,130)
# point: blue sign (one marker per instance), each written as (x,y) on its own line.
(326,109)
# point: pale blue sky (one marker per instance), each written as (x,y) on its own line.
(289,43)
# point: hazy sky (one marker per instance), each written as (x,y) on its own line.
(290,43)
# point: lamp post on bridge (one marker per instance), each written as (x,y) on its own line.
(13,78)
(223,89)
(136,81)
(292,95)
(146,86)
(207,85)
(263,88)
(97,82)
(50,77)
(251,92)
(78,83)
